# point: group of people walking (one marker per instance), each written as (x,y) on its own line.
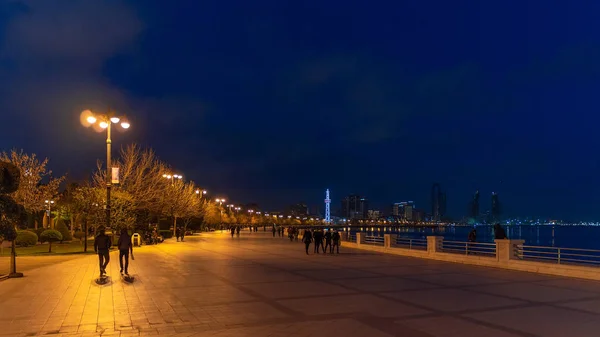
(102,244)
(332,240)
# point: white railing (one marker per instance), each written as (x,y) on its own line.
(410,243)
(469,248)
(374,240)
(558,255)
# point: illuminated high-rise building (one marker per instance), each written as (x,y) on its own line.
(355,207)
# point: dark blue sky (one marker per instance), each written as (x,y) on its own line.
(274,101)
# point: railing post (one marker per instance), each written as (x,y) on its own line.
(505,249)
(389,240)
(558,255)
(360,238)
(434,244)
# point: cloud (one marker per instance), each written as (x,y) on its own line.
(51,59)
(83,32)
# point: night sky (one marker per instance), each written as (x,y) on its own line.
(275,101)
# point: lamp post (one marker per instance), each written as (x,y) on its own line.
(220,201)
(49,204)
(105,121)
(172,177)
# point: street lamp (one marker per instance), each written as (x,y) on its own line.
(172,177)
(201,192)
(49,204)
(105,121)
(220,201)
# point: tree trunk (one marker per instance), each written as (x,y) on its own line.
(72,224)
(85,236)
(50,247)
(174,225)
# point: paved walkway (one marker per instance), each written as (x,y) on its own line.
(256,285)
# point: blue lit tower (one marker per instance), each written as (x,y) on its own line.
(327,207)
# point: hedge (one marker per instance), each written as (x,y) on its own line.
(50,235)
(26,239)
(62,228)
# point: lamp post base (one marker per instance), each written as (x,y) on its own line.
(15,275)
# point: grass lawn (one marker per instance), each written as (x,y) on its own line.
(74,247)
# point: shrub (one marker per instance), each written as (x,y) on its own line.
(26,238)
(50,235)
(167,234)
(66,233)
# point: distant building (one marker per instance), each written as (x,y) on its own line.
(474,211)
(355,207)
(418,215)
(300,209)
(495,209)
(373,214)
(403,210)
(438,202)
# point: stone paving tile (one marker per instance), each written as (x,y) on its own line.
(591,306)
(297,289)
(452,300)
(382,284)
(544,321)
(532,292)
(257,285)
(360,303)
(454,327)
(454,280)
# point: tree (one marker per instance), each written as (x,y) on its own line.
(141,176)
(36,182)
(10,178)
(66,206)
(210,213)
(86,203)
(183,202)
(50,235)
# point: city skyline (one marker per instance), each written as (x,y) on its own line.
(378,100)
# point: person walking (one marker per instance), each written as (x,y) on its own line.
(177,233)
(328,237)
(182,233)
(318,235)
(472,239)
(274,230)
(336,241)
(125,247)
(102,244)
(307,239)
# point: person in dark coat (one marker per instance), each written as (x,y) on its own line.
(499,233)
(307,239)
(336,241)
(328,237)
(102,244)
(177,233)
(125,247)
